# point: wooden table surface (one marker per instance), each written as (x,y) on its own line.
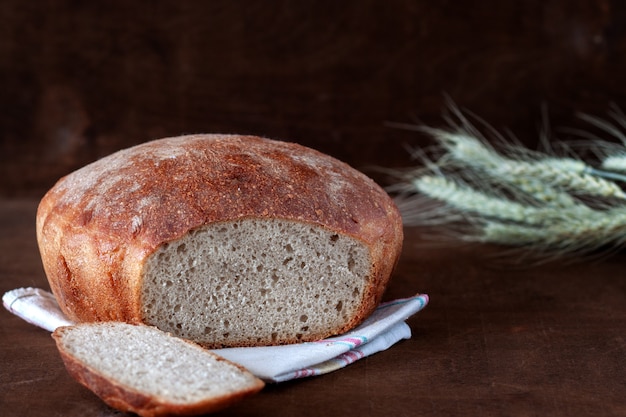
(495,340)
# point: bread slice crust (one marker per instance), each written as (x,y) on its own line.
(127,396)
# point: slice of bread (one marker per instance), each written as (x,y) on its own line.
(141,369)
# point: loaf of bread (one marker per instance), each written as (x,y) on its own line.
(146,371)
(223,240)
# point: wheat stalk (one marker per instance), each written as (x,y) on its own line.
(510,195)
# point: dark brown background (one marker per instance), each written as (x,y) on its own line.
(79,80)
(82,79)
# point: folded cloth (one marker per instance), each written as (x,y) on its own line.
(380,331)
(36,306)
(385,327)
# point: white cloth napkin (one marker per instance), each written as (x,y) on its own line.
(385,327)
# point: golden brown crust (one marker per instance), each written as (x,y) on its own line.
(96,226)
(127,399)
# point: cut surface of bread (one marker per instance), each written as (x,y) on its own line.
(256,282)
(141,369)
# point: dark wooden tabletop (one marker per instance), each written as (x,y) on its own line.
(495,340)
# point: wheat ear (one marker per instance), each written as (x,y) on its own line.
(584,235)
(478,203)
(567,173)
(511,195)
(615,163)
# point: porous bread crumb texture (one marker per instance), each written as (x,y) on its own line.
(148,360)
(255,282)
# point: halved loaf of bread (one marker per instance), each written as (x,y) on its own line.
(224,240)
(144,370)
